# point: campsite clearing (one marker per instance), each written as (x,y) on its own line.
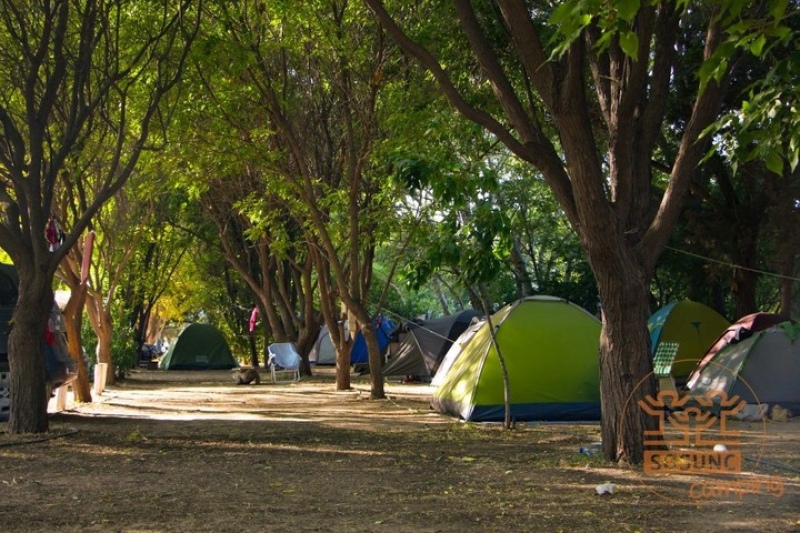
(192,452)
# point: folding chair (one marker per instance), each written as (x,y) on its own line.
(283,362)
(662,365)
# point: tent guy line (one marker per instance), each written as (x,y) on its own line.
(732,265)
(419,325)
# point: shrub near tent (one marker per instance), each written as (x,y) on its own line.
(199,347)
(550,347)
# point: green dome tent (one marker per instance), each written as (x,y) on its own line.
(199,347)
(550,347)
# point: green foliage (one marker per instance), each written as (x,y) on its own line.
(89,339)
(767,125)
(478,218)
(473,203)
(123,343)
(403,301)
(466,234)
(613,19)
(457,200)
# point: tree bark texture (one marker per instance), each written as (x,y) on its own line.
(625,366)
(73,317)
(375,362)
(70,274)
(29,396)
(103,326)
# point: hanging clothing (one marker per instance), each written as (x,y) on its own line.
(253,319)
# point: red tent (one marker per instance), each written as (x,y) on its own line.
(738,331)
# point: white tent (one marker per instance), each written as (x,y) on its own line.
(322,353)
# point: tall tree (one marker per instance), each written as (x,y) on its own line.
(260,236)
(72,70)
(162,240)
(317,94)
(587,110)
(74,272)
(265,246)
(118,233)
(734,188)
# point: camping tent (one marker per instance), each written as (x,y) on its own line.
(198,347)
(383,327)
(692,325)
(550,347)
(742,329)
(455,350)
(322,353)
(425,344)
(763,368)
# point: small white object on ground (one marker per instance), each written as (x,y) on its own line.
(606,488)
(720,448)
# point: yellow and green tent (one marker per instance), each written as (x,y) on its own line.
(693,325)
(550,347)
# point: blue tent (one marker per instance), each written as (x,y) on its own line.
(384,327)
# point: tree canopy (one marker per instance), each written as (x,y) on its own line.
(329,161)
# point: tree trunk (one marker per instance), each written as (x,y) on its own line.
(787,266)
(312,317)
(625,363)
(307,336)
(104,355)
(787,224)
(745,279)
(73,317)
(342,349)
(266,335)
(376,391)
(253,352)
(103,326)
(272,320)
(786,295)
(443,302)
(485,304)
(29,395)
(335,320)
(522,279)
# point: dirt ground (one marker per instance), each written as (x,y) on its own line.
(192,452)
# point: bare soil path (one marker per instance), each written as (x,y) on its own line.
(192,452)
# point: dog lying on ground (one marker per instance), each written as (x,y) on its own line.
(246,376)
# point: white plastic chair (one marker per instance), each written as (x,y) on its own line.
(283,362)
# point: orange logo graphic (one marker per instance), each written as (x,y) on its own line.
(694,436)
(693,424)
